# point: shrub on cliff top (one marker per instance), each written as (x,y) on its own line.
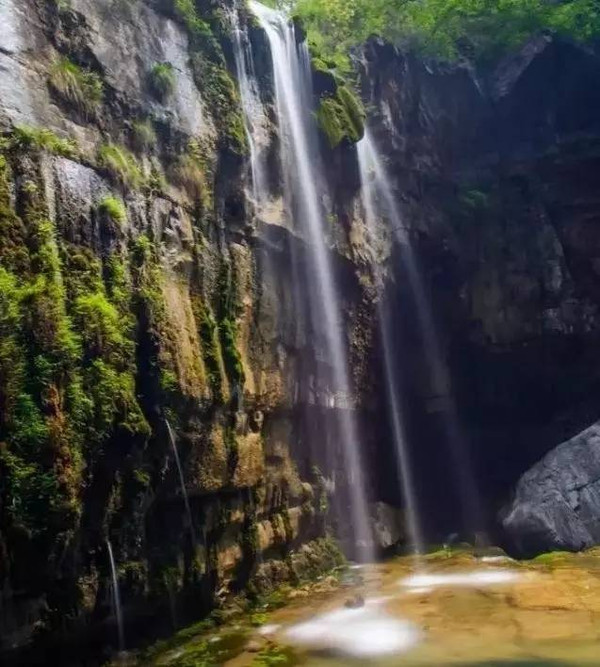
(82,88)
(448,29)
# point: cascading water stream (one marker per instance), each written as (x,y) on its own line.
(382,192)
(116,597)
(299,158)
(254,114)
(186,500)
(368,190)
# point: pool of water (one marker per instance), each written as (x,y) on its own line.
(455,609)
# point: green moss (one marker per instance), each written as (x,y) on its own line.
(81,88)
(162,80)
(14,254)
(211,353)
(231,355)
(232,448)
(101,328)
(221,94)
(25,136)
(273,655)
(114,208)
(552,557)
(341,117)
(39,383)
(228,312)
(121,164)
(201,35)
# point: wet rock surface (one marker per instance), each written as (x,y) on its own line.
(557,502)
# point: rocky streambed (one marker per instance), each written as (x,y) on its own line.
(452,608)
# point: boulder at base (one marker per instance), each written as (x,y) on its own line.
(556,505)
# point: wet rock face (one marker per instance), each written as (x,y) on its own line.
(556,505)
(497,178)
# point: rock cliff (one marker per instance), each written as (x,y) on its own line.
(140,288)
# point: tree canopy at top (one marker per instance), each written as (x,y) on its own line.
(448,29)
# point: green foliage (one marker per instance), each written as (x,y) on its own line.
(114,208)
(41,406)
(273,655)
(186,11)
(231,355)
(552,558)
(481,29)
(101,326)
(25,136)
(201,35)
(341,117)
(121,164)
(162,80)
(192,171)
(79,87)
(143,134)
(14,254)
(211,353)
(221,94)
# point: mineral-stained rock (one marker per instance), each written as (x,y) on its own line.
(557,502)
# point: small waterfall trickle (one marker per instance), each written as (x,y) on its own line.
(186,499)
(383,204)
(254,112)
(369,197)
(302,181)
(116,596)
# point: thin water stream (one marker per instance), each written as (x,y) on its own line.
(369,197)
(116,595)
(184,493)
(379,190)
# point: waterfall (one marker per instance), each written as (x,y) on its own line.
(300,164)
(380,199)
(370,194)
(116,597)
(254,113)
(181,480)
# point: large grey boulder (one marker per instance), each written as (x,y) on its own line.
(557,502)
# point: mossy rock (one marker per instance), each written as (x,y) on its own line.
(552,558)
(341,117)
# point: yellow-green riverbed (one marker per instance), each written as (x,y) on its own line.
(452,609)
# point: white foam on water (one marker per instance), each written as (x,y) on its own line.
(360,633)
(419,591)
(378,601)
(495,559)
(475,579)
(268,629)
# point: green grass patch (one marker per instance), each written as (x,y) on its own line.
(121,164)
(27,137)
(77,86)
(114,208)
(162,80)
(143,135)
